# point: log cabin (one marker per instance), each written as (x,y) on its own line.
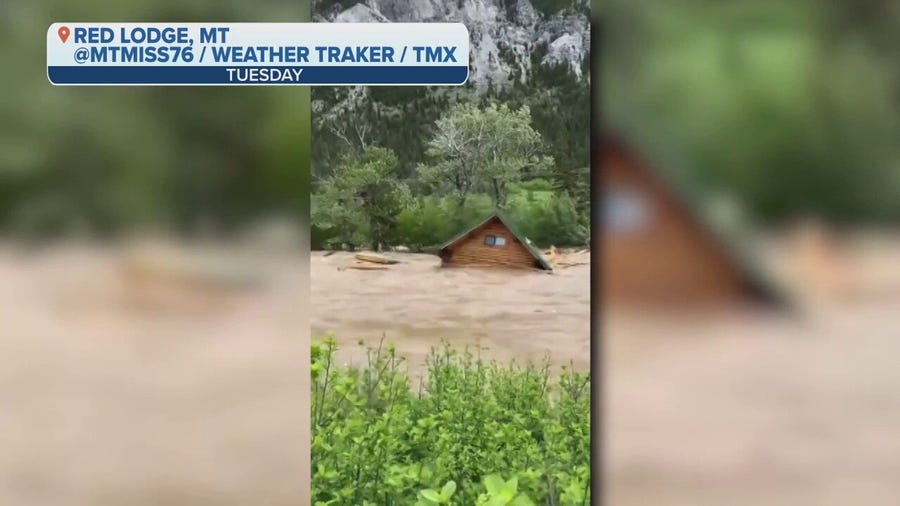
(493,242)
(657,248)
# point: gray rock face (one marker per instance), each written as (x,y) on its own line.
(504,33)
(359,13)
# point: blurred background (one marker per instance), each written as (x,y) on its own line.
(751,212)
(154,272)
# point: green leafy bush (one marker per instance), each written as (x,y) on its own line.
(552,220)
(367,200)
(431,221)
(378,439)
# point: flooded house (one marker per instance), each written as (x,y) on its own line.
(657,247)
(492,242)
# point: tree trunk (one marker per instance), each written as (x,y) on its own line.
(497,193)
(376,235)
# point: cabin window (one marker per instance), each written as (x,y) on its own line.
(494,240)
(627,210)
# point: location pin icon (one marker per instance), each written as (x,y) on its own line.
(63,33)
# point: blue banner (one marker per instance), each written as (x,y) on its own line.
(243,76)
(249,54)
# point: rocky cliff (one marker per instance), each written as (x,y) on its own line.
(505,34)
(523,52)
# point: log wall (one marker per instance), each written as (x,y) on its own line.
(472,251)
(672,259)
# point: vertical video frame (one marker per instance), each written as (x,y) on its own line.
(450,269)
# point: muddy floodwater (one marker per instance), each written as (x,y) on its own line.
(416,304)
(752,409)
(119,388)
(761,406)
(177,377)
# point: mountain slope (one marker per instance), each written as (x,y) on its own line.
(523,52)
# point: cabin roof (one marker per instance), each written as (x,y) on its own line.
(749,268)
(535,252)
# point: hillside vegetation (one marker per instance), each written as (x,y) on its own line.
(478,160)
(416,165)
(472,433)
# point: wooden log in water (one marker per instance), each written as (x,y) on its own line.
(375,259)
(365,267)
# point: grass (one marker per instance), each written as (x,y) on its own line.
(472,433)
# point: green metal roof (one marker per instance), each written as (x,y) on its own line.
(535,252)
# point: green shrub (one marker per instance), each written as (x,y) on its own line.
(424,223)
(379,440)
(546,217)
(431,221)
(554,220)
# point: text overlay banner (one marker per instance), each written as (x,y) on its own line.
(242,54)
